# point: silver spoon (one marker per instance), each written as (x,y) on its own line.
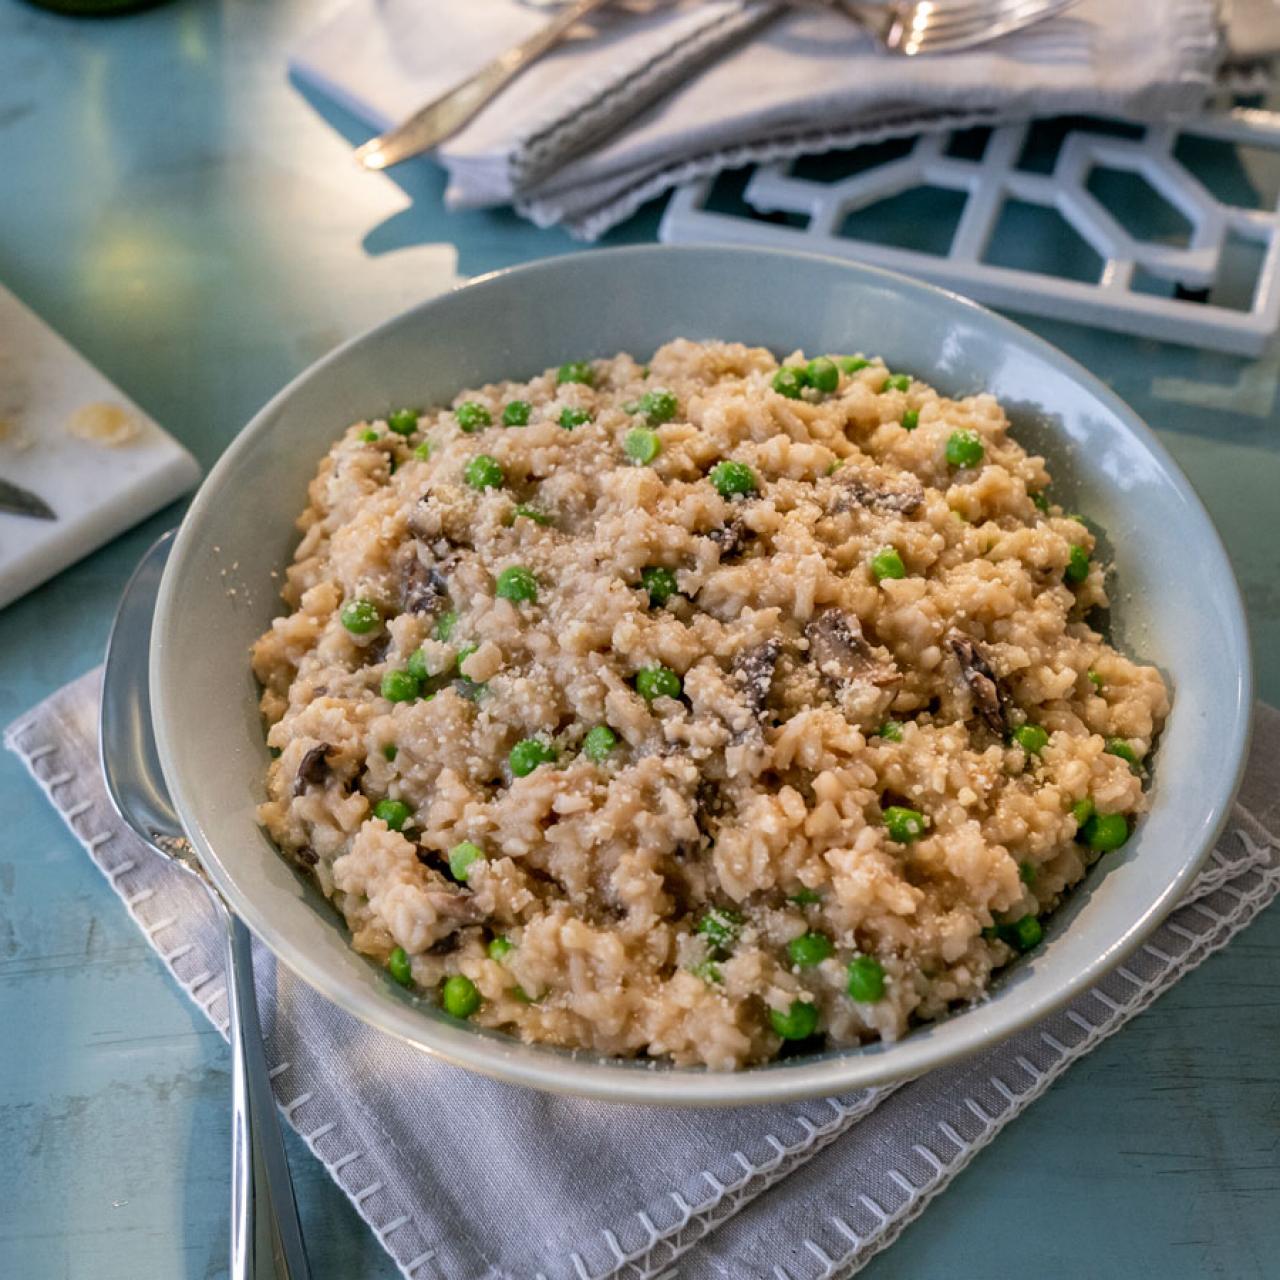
(266,1236)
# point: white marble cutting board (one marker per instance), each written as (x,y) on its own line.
(97,490)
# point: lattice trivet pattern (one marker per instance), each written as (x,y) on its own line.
(1173,287)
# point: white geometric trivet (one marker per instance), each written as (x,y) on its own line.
(1122,297)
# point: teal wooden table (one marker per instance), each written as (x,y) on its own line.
(180,213)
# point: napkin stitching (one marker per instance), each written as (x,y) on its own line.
(39,760)
(569,123)
(727,1198)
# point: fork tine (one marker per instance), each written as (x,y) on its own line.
(967,24)
(944,18)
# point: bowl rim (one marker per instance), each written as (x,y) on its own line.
(624,1080)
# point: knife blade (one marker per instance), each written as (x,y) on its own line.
(18,501)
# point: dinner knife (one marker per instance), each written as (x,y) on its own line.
(18,501)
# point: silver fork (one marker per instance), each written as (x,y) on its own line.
(904,27)
(944,26)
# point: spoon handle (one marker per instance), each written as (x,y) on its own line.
(266,1236)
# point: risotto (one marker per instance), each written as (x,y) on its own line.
(704,709)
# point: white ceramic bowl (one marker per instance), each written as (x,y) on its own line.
(1177,605)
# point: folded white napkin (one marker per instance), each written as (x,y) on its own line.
(517,1185)
(609,120)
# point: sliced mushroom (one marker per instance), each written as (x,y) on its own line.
(841,653)
(753,671)
(423,588)
(304,856)
(853,490)
(708,813)
(313,769)
(731,538)
(989,698)
(453,910)
(375,652)
(446,945)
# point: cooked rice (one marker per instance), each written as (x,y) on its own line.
(767,777)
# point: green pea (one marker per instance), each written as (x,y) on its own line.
(484,472)
(417,666)
(1103,832)
(806,897)
(1077,569)
(390,751)
(516,583)
(823,375)
(641,445)
(398,967)
(517,413)
(532,513)
(360,616)
(734,480)
(1031,738)
(400,686)
(721,927)
(369,435)
(897,382)
(809,949)
(404,422)
(464,652)
(445,624)
(964,449)
(461,856)
(395,813)
(851,364)
(576,371)
(528,754)
(865,978)
(797,1023)
(657,682)
(658,406)
(1022,935)
(790,381)
(472,416)
(422,451)
(570,418)
(459,996)
(910,419)
(1082,811)
(891,730)
(660,583)
(1027,872)
(598,743)
(1041,502)
(887,563)
(904,825)
(1119,747)
(500,947)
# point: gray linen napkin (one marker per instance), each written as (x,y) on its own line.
(624,1191)
(691,88)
